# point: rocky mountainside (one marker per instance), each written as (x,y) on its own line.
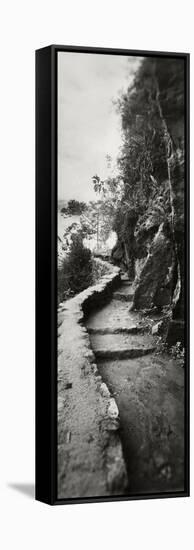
(150,221)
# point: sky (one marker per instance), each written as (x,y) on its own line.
(88,124)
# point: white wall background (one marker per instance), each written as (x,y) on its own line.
(26,26)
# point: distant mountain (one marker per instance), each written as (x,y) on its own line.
(62,204)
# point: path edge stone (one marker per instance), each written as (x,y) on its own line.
(78,308)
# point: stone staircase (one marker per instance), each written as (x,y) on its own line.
(120,346)
(115,331)
(149,390)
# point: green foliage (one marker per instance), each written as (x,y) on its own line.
(75,207)
(64,210)
(79,265)
(99,269)
(143,156)
(102,211)
(98,184)
(143,161)
(157,91)
(176,352)
(63,289)
(170,76)
(76,272)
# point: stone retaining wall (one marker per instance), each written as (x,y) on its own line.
(90,457)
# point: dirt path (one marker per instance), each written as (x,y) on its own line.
(149,391)
(90,457)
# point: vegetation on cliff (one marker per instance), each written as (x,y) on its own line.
(144,202)
(150,218)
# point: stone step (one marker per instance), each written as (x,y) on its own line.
(118,354)
(121,346)
(124,277)
(115,316)
(133,329)
(149,392)
(123,296)
(125,288)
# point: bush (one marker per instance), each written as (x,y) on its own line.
(79,265)
(99,269)
(76,272)
(64,210)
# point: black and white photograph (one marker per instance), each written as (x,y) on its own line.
(97,305)
(121,279)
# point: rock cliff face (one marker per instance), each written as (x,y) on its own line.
(124,252)
(174,114)
(154,286)
(161,281)
(150,222)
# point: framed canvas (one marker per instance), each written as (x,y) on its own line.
(112,274)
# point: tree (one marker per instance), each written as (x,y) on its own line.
(75,207)
(103,209)
(64,210)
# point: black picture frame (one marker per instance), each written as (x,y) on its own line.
(46,273)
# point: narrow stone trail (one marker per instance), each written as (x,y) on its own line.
(149,390)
